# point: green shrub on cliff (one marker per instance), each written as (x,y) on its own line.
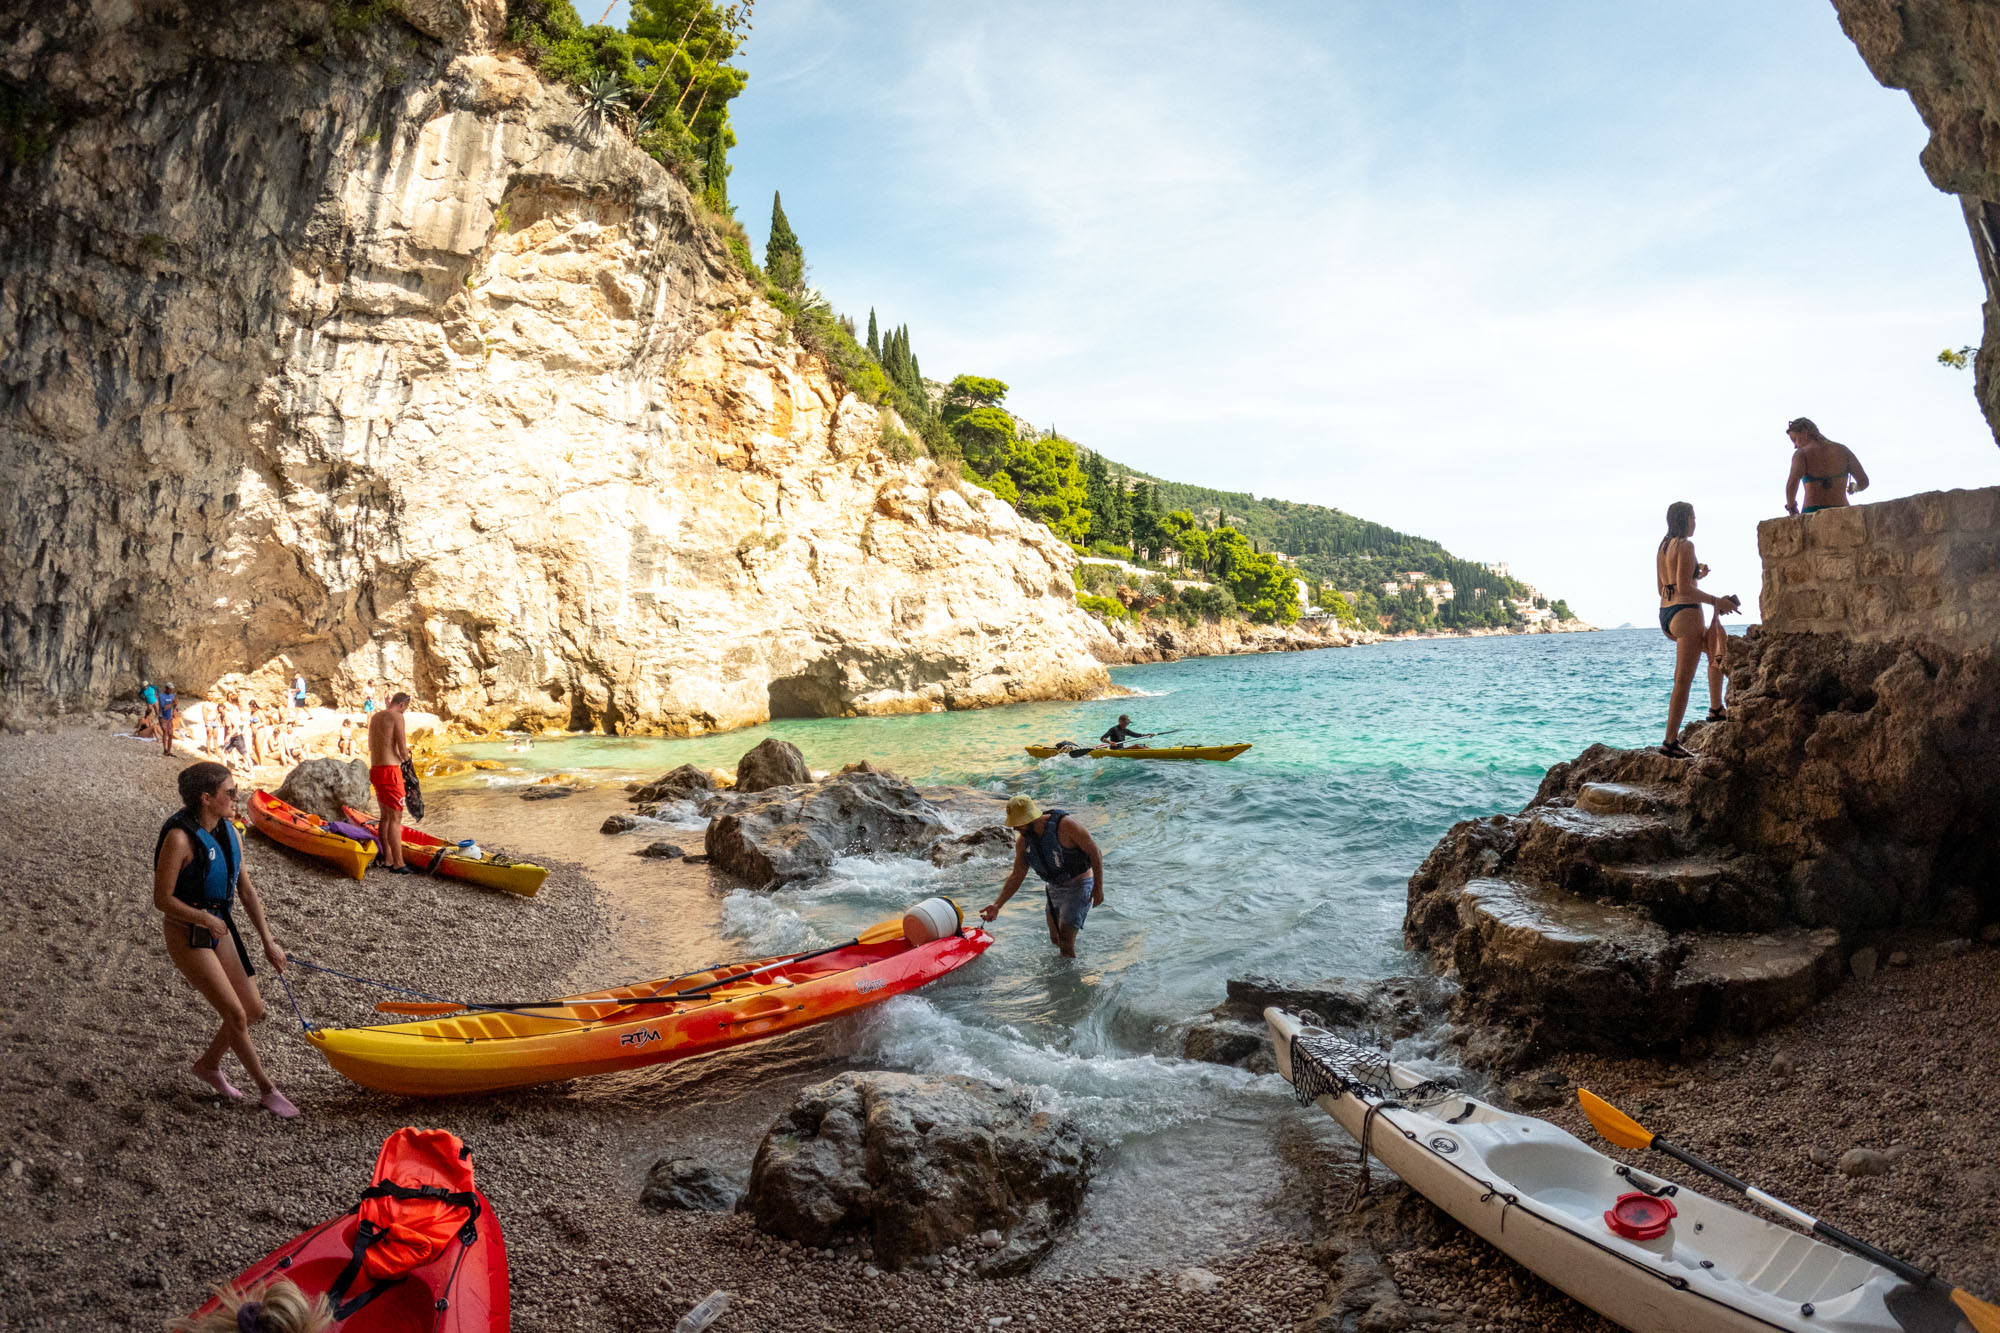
(1105,608)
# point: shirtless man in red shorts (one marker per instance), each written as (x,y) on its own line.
(388,747)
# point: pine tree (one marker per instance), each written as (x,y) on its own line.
(784,258)
(874,338)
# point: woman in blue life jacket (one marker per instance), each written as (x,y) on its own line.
(197,871)
(1064,854)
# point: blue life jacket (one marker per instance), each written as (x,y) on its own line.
(1055,863)
(208,880)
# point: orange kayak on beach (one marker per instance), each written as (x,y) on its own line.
(485,1048)
(308,833)
(489,869)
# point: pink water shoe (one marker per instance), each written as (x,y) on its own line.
(214,1079)
(279,1105)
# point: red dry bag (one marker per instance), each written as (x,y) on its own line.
(420,1202)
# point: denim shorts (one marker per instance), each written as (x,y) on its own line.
(1069,904)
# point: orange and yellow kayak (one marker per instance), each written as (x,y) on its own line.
(485,1048)
(420,849)
(308,833)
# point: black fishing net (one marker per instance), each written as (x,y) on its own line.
(1324,1064)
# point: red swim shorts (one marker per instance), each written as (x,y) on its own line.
(387,780)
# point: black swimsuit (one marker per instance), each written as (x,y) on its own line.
(1667,614)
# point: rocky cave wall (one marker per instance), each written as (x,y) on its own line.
(1946,55)
(363,354)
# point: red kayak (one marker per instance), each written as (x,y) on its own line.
(421,1253)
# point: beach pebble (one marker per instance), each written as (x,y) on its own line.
(1783,1065)
(1197,1280)
(1862,964)
(547,793)
(1864,1162)
(991,1239)
(1899,959)
(664,850)
(618,824)
(1820,1155)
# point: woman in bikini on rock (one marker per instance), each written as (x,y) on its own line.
(1827,468)
(1674,573)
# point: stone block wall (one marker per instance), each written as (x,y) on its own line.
(1922,567)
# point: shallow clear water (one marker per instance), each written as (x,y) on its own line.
(1291,860)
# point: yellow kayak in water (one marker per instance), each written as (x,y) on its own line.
(1217,752)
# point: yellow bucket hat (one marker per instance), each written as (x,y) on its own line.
(1022,810)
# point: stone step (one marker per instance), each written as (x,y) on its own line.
(1565,845)
(1570,972)
(1741,984)
(1695,893)
(1624,798)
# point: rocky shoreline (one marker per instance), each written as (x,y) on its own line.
(1870,1069)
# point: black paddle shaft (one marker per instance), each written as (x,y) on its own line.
(667,997)
(1908,1272)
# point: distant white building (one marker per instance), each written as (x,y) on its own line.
(1500,568)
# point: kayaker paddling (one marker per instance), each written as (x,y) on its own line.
(1122,734)
(197,872)
(1063,853)
(388,747)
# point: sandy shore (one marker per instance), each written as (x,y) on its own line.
(127,1186)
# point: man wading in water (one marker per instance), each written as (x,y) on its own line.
(1067,859)
(388,747)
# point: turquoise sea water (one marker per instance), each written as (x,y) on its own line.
(1291,860)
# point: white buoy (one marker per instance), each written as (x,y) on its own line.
(932,919)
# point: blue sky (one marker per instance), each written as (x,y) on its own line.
(1509,276)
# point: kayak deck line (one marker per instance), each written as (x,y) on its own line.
(1713,1267)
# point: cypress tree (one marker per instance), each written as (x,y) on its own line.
(784,258)
(874,338)
(715,173)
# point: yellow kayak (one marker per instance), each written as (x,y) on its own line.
(1220,753)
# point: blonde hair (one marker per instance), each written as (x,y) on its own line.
(277,1306)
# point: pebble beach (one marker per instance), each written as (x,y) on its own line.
(129,1187)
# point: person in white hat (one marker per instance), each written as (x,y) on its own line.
(1063,853)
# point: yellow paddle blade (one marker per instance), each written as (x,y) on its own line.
(1984,1318)
(1613,1123)
(892,929)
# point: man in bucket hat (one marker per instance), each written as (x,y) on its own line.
(1064,854)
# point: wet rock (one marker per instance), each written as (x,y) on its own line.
(773,763)
(687,1185)
(322,786)
(774,837)
(1231,1041)
(665,851)
(915,1164)
(1862,964)
(1389,1008)
(678,785)
(618,824)
(550,792)
(1864,1162)
(1537,1091)
(992,840)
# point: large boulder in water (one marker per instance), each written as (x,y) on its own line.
(774,837)
(679,785)
(915,1164)
(774,763)
(322,786)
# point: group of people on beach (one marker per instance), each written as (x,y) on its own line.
(244,732)
(1828,472)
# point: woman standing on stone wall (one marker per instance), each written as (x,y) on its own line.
(1674,573)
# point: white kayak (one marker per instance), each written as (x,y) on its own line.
(1540,1195)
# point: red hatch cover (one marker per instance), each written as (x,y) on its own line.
(1640,1216)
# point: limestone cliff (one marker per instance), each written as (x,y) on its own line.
(335,341)
(1942,52)
(1852,790)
